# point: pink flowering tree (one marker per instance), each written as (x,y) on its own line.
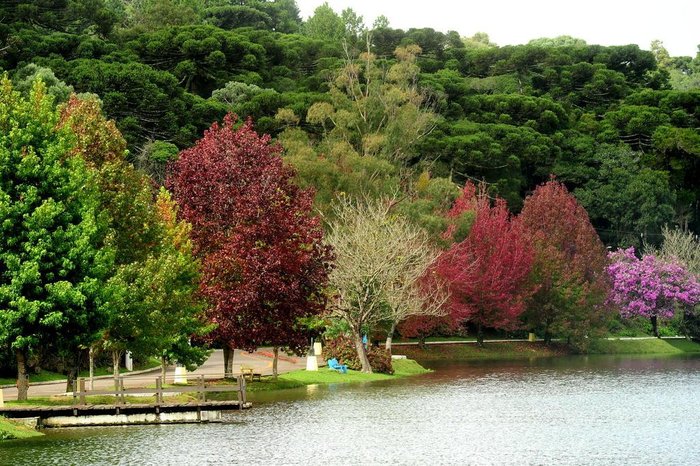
(649,287)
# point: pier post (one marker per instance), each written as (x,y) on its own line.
(81,390)
(121,390)
(241,392)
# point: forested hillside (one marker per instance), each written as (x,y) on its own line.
(375,110)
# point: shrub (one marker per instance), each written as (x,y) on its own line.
(343,349)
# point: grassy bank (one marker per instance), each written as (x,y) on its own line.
(60,400)
(520,350)
(651,346)
(14,430)
(301,378)
(490,351)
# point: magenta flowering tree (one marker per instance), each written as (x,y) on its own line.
(649,287)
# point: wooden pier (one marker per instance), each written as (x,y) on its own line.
(82,413)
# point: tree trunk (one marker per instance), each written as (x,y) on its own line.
(390,337)
(116,356)
(275,352)
(655,326)
(421,341)
(228,362)
(91,357)
(163,367)
(479,335)
(72,376)
(362,353)
(22,380)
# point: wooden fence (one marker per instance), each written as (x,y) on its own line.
(201,389)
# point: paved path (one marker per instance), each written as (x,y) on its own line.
(260,361)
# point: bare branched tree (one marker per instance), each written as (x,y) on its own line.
(681,246)
(381,260)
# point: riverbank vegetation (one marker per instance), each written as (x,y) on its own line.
(493,351)
(489,351)
(10,430)
(646,346)
(402,368)
(374,181)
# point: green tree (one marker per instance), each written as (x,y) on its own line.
(52,255)
(627,202)
(325,24)
(377,113)
(149,299)
(25,77)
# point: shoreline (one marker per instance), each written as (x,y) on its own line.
(509,350)
(457,351)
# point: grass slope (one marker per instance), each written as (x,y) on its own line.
(490,351)
(651,346)
(301,378)
(13,430)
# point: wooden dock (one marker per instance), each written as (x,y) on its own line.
(82,413)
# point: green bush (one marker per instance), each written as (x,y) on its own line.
(343,349)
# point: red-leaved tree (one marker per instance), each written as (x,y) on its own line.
(488,272)
(569,267)
(264,265)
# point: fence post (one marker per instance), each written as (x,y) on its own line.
(241,392)
(159,390)
(81,390)
(121,389)
(203,394)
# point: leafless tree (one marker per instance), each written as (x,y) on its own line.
(381,259)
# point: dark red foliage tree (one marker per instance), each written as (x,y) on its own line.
(264,262)
(421,327)
(569,267)
(488,272)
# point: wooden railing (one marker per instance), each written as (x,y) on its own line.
(201,389)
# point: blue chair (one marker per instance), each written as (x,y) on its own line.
(333,364)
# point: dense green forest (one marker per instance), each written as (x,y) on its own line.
(372,109)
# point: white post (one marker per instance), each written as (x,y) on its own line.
(311,363)
(318,349)
(180,375)
(128,361)
(2,399)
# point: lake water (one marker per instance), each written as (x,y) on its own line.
(577,410)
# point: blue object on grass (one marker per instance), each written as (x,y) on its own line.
(333,364)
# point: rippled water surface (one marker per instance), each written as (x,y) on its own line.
(580,410)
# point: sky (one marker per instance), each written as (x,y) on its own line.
(510,22)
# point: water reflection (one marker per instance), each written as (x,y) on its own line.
(579,410)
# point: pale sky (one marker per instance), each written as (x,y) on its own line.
(605,22)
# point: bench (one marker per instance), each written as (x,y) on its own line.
(336,366)
(250,374)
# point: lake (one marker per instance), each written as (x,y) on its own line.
(571,410)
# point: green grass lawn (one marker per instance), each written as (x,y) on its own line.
(98,400)
(429,339)
(490,351)
(13,430)
(48,376)
(402,368)
(324,376)
(653,346)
